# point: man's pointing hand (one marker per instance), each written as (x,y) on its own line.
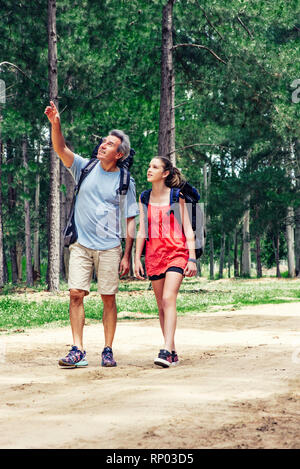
(52,113)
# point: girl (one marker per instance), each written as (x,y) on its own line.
(170,250)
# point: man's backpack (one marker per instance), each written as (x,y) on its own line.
(70,232)
(196,215)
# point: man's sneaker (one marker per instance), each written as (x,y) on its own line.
(175,359)
(108,358)
(164,359)
(74,359)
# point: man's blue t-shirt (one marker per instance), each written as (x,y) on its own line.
(97,208)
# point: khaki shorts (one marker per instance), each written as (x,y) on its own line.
(106,263)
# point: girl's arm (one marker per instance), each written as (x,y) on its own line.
(191,268)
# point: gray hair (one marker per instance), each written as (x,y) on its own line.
(124,146)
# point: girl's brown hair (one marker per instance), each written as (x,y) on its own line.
(174,178)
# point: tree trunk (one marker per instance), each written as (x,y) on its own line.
(290,242)
(276,249)
(29,272)
(258,258)
(36,242)
(297,209)
(229,256)
(19,250)
(5,267)
(246,259)
(1,223)
(166,138)
(14,264)
(54,202)
(222,254)
(211,258)
(235,260)
(297,240)
(241,255)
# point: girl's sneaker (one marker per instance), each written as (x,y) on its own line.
(175,359)
(108,357)
(74,359)
(164,359)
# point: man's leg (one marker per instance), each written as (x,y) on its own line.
(109,318)
(77,317)
(108,283)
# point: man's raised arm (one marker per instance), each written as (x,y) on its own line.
(58,141)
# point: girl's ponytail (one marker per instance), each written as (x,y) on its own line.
(175,178)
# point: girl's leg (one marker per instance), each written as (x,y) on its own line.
(158,287)
(171,287)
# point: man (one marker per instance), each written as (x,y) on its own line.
(98,244)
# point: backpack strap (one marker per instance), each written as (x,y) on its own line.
(124,181)
(174,203)
(145,197)
(70,232)
(84,172)
(174,195)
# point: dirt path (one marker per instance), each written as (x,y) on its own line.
(237,386)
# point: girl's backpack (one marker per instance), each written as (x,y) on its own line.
(196,214)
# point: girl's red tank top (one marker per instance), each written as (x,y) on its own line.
(166,246)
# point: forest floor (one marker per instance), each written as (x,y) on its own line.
(237,385)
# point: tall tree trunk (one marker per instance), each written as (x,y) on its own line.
(11,208)
(276,241)
(297,209)
(222,254)
(207,185)
(211,258)
(2,274)
(290,240)
(258,257)
(54,202)
(29,272)
(5,267)
(246,259)
(297,240)
(36,241)
(235,258)
(166,138)
(14,263)
(241,255)
(229,256)
(19,250)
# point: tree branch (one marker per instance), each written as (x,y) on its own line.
(244,26)
(20,70)
(201,144)
(179,105)
(209,22)
(200,47)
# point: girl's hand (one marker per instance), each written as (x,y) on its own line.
(139,270)
(191,269)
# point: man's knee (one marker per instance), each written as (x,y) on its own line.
(109,301)
(76,296)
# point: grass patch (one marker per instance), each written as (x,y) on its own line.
(196,295)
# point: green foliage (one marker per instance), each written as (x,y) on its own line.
(194,296)
(233,97)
